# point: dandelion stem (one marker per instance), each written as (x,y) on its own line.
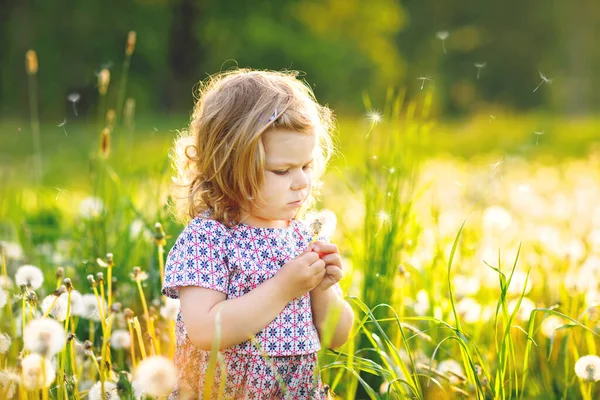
(109,285)
(138,330)
(149,323)
(132,345)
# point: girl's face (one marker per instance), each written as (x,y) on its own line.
(287,178)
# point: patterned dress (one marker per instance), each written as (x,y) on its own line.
(281,362)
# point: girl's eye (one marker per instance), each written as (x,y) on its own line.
(283,172)
(307,166)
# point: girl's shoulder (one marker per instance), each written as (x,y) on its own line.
(203,229)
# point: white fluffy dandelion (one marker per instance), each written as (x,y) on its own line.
(551,324)
(91,207)
(90,307)
(170,309)
(120,339)
(44,336)
(56,305)
(469,310)
(4,343)
(110,392)
(30,276)
(34,375)
(328,221)
(588,368)
(156,376)
(12,251)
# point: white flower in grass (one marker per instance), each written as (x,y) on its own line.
(76,303)
(525,309)
(110,392)
(8,381)
(469,310)
(138,229)
(156,376)
(170,309)
(44,336)
(5,282)
(517,283)
(12,251)
(463,285)
(588,368)
(30,276)
(550,324)
(3,298)
(421,306)
(59,309)
(452,369)
(36,375)
(4,343)
(90,307)
(496,218)
(120,339)
(91,207)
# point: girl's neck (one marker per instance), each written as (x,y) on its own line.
(258,222)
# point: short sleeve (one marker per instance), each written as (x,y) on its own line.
(198,258)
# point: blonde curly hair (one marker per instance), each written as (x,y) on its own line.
(219,160)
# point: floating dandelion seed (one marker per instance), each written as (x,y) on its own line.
(74,99)
(538,134)
(62,125)
(443,35)
(492,117)
(383,218)
(375,117)
(496,164)
(588,368)
(59,191)
(479,67)
(423,79)
(544,80)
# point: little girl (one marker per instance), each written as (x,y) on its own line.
(252,279)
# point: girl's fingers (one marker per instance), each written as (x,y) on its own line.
(324,247)
(333,259)
(334,272)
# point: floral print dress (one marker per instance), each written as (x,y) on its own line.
(281,361)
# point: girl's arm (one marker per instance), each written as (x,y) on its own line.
(245,316)
(329,301)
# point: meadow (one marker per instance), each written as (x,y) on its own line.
(472,254)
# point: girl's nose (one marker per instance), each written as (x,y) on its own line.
(300,181)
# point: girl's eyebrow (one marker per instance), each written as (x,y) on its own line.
(283,164)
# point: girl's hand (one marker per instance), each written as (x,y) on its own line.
(302,274)
(329,253)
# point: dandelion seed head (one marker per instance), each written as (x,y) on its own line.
(8,382)
(588,368)
(496,218)
(120,339)
(170,309)
(156,376)
(29,276)
(31,372)
(328,221)
(59,306)
(11,250)
(44,336)
(469,310)
(480,65)
(550,324)
(450,368)
(4,343)
(110,391)
(90,307)
(525,309)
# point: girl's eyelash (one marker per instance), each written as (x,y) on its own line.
(283,172)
